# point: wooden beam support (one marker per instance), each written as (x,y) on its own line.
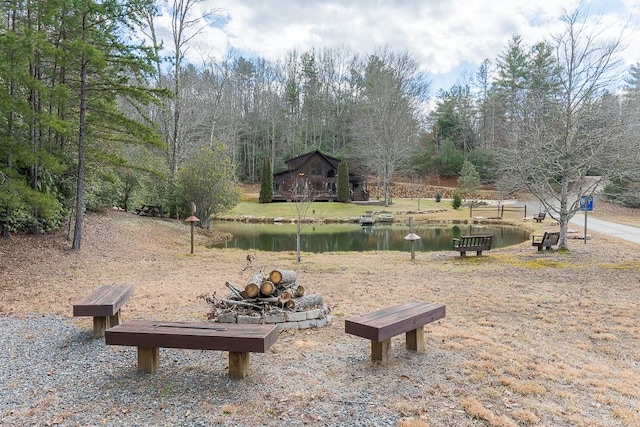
(415,339)
(100,324)
(148,359)
(115,319)
(238,364)
(380,351)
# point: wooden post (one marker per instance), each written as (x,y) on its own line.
(148,358)
(100,323)
(238,364)
(192,219)
(415,339)
(413,253)
(192,226)
(380,351)
(115,319)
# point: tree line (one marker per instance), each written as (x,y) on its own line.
(92,117)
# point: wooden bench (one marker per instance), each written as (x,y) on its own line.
(238,339)
(540,217)
(104,305)
(472,243)
(546,240)
(150,210)
(380,326)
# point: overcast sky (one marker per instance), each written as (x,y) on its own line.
(448,37)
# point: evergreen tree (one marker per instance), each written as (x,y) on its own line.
(469,180)
(69,66)
(266,183)
(344,195)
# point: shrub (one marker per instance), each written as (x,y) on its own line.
(449,160)
(343,182)
(456,201)
(469,180)
(266,183)
(485,163)
(438,196)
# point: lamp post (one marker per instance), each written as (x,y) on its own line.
(412,237)
(192,220)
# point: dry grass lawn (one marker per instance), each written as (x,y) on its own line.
(548,339)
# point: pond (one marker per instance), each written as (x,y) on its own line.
(352,237)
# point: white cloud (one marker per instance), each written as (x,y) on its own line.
(445,36)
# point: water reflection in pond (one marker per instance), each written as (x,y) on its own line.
(351,237)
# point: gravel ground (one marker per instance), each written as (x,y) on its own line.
(55,373)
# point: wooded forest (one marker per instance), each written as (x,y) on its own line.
(95,113)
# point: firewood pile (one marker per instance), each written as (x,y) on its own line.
(277,291)
(414,191)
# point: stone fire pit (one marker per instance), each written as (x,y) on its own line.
(277,298)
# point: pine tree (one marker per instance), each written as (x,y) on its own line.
(469,180)
(343,182)
(266,183)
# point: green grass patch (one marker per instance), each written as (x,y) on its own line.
(627,265)
(321,210)
(536,263)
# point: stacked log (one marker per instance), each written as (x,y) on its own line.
(279,288)
(283,277)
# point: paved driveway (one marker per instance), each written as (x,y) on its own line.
(625,232)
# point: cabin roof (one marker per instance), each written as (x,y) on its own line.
(303,158)
(295,163)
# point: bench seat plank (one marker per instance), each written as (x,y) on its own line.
(386,323)
(194,335)
(104,301)
(104,305)
(238,339)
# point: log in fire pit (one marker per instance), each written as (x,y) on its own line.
(274,298)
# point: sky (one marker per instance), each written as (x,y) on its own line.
(449,38)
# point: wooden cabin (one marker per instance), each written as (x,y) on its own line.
(320,172)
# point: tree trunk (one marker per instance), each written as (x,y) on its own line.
(256,279)
(267,288)
(251,290)
(252,287)
(82,138)
(298,225)
(306,302)
(283,277)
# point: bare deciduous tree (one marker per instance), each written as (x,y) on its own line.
(578,133)
(386,124)
(302,194)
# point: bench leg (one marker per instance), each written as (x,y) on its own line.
(238,364)
(114,320)
(99,325)
(380,351)
(148,359)
(479,253)
(463,254)
(415,339)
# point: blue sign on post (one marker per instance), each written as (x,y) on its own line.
(586,203)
